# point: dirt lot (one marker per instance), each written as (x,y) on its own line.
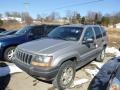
(22,81)
(114,37)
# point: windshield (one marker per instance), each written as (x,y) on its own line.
(66,33)
(22,30)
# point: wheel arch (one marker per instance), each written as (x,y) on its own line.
(73,59)
(13,45)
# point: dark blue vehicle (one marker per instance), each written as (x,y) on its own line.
(25,34)
(108,78)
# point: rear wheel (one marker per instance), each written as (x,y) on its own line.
(101,56)
(8,54)
(65,75)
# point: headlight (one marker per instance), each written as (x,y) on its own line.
(0,44)
(43,61)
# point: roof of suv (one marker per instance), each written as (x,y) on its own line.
(79,25)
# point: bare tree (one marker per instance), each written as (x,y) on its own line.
(83,20)
(0,15)
(38,17)
(93,17)
(115,18)
(52,17)
(105,20)
(7,14)
(74,14)
(64,20)
(78,18)
(73,17)
(69,16)
(27,18)
(90,17)
(98,18)
(15,14)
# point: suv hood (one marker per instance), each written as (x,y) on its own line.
(45,46)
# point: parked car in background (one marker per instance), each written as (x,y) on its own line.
(108,78)
(2,30)
(7,33)
(65,49)
(28,33)
(114,82)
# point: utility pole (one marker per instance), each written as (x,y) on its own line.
(26,12)
(26,4)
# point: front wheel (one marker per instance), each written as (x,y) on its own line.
(8,54)
(65,75)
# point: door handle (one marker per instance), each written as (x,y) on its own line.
(94,44)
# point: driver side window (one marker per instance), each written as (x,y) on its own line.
(88,34)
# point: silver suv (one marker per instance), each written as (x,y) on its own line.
(65,49)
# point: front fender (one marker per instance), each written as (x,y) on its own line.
(64,57)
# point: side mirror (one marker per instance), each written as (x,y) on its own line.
(88,40)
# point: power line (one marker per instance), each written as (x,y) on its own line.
(72,5)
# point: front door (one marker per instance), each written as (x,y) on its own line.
(87,50)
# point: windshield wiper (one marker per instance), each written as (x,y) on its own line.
(58,37)
(61,38)
(47,37)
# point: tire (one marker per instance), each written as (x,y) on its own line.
(65,76)
(8,53)
(101,56)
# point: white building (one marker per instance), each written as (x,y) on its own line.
(12,18)
(117,26)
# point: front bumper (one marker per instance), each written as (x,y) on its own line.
(37,72)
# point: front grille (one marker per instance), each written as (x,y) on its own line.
(24,57)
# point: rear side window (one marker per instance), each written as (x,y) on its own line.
(103,31)
(97,32)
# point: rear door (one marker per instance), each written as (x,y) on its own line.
(104,34)
(99,39)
